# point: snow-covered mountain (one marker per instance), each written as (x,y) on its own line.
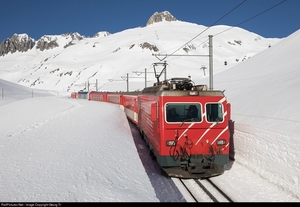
(70,61)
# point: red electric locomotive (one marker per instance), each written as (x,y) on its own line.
(186,127)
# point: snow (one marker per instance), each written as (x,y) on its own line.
(57,149)
(52,151)
(263,92)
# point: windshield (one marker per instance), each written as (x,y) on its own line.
(179,112)
(214,112)
(191,112)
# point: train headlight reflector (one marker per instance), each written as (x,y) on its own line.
(221,142)
(170,142)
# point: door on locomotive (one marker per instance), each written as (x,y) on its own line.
(183,112)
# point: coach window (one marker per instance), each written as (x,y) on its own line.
(214,112)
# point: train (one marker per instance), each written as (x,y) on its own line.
(186,126)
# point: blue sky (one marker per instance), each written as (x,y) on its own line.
(38,17)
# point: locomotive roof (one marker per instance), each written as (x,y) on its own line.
(179,87)
(160,91)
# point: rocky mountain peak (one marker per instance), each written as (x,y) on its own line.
(18,42)
(162,16)
(101,34)
(23,43)
(51,41)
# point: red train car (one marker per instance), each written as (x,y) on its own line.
(98,96)
(131,107)
(116,98)
(74,95)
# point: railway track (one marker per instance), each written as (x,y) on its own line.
(196,190)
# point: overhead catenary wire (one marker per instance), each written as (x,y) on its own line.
(204,30)
(210,26)
(251,17)
(230,27)
(245,21)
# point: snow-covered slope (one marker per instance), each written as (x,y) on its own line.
(106,59)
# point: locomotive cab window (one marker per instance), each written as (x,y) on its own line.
(214,112)
(183,112)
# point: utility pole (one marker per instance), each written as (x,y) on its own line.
(87,85)
(139,73)
(210,62)
(127,81)
(123,78)
(203,68)
(145,77)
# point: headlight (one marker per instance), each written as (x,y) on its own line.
(170,142)
(221,142)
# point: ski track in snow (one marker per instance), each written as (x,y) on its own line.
(65,111)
